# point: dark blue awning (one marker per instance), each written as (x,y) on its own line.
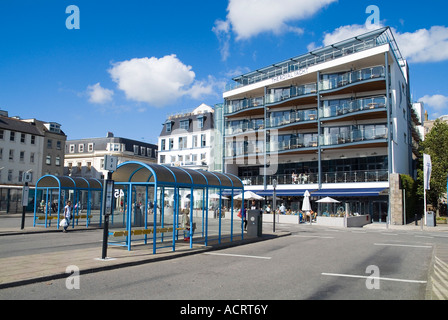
(361,192)
(284,193)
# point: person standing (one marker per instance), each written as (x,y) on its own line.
(67,215)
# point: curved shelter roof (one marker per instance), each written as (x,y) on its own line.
(139,172)
(64,182)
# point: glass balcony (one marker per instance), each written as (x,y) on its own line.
(244,148)
(355,176)
(280,94)
(238,105)
(338,80)
(293,141)
(355,133)
(334,108)
(379,175)
(241,126)
(280,118)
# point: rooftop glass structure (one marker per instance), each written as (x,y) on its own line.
(363,42)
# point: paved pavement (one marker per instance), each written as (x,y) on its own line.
(25,269)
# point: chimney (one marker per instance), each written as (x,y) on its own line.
(110,134)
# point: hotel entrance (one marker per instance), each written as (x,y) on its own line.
(379,211)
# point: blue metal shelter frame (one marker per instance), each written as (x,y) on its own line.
(61,187)
(156,179)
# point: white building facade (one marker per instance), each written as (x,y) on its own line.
(187,138)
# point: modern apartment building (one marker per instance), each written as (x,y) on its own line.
(337,121)
(85,157)
(186,139)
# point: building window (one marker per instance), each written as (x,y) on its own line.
(162,144)
(201,122)
(171,144)
(203,141)
(2,134)
(81,148)
(72,148)
(185,124)
(49,144)
(22,156)
(168,127)
(149,152)
(182,142)
(32,157)
(135,150)
(58,145)
(195,141)
(11,154)
(57,161)
(162,159)
(142,151)
(1,154)
(22,138)
(9,175)
(90,147)
(48,160)
(12,136)
(33,139)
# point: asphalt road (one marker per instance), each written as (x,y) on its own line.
(314,263)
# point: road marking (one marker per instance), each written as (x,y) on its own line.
(306,236)
(370,277)
(425,237)
(236,255)
(401,245)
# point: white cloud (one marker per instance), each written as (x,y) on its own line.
(252,17)
(248,18)
(424,45)
(420,46)
(98,94)
(436,105)
(221,30)
(158,81)
(438,102)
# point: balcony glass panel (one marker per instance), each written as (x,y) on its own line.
(237,105)
(280,118)
(333,108)
(281,94)
(355,133)
(337,80)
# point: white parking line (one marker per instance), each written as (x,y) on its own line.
(370,277)
(236,255)
(309,236)
(401,245)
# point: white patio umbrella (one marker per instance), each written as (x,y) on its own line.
(306,205)
(216,196)
(328,200)
(248,195)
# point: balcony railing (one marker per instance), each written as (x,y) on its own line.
(293,141)
(280,118)
(379,175)
(340,80)
(241,126)
(335,108)
(242,104)
(281,94)
(355,133)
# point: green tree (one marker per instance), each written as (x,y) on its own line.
(436,145)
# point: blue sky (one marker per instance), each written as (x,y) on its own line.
(132,63)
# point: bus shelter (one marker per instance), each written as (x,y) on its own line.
(53,192)
(152,201)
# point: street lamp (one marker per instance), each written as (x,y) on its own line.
(274,202)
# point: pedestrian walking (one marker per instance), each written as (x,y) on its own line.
(67,215)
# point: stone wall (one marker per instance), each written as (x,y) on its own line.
(395,199)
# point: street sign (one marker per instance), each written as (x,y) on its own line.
(110,163)
(25,196)
(27,177)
